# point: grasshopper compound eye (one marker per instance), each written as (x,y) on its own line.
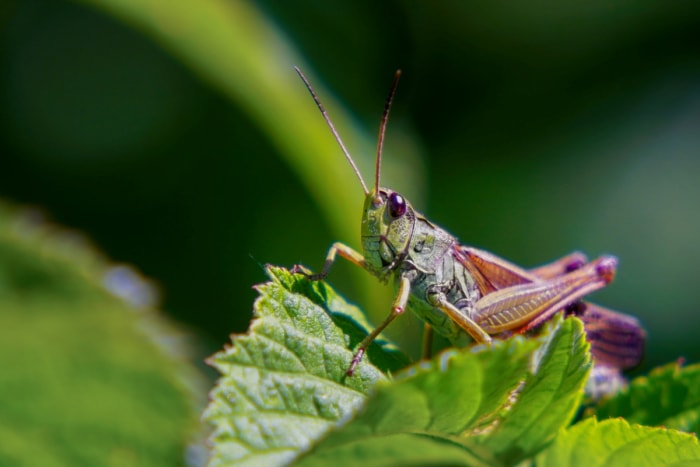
(397,205)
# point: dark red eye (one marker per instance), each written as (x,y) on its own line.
(397,205)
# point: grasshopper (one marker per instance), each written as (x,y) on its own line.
(464,293)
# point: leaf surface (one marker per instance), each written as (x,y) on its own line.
(615,442)
(88,378)
(474,402)
(283,383)
(669,396)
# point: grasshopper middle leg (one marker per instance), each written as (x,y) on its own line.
(397,308)
(356,258)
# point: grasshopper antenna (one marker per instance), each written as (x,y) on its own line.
(382,129)
(333,130)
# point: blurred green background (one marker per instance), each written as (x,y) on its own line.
(176,135)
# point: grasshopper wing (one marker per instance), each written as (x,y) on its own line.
(617,340)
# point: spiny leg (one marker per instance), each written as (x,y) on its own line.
(564,265)
(494,274)
(527,305)
(397,308)
(567,264)
(616,339)
(492,269)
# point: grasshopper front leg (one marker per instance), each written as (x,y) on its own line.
(337,248)
(397,308)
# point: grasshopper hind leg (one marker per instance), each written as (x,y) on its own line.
(525,306)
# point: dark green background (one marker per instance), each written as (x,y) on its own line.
(543,127)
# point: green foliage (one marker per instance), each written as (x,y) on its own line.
(242,53)
(284,383)
(615,442)
(669,396)
(82,380)
(83,384)
(284,395)
(471,401)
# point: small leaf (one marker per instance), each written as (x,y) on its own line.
(284,382)
(549,398)
(669,396)
(615,442)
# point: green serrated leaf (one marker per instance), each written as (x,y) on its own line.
(615,442)
(348,318)
(549,398)
(441,403)
(464,406)
(669,396)
(283,384)
(398,449)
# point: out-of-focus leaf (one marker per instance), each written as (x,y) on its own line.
(669,396)
(237,49)
(85,379)
(613,443)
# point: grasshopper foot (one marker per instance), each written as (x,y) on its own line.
(355,361)
(306,272)
(577,262)
(300,269)
(606,268)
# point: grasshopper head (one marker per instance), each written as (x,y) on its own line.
(387,225)
(387,218)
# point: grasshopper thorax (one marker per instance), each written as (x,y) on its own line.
(387,224)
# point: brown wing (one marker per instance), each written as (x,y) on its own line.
(490,272)
(616,339)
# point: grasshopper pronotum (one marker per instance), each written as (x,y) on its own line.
(462,292)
